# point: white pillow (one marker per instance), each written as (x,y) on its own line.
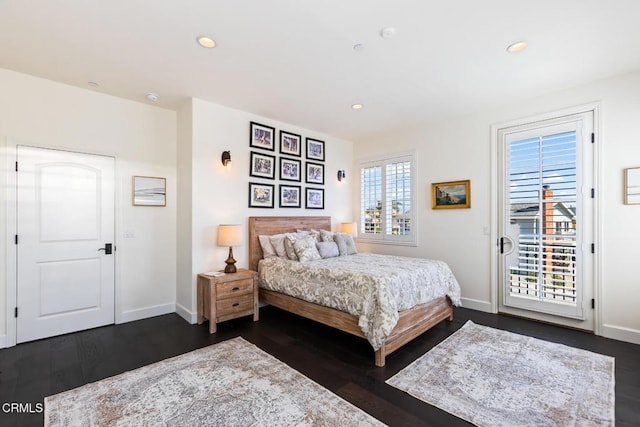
(277,241)
(267,248)
(288,243)
(305,249)
(346,245)
(327,249)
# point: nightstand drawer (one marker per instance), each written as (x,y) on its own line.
(239,304)
(235,288)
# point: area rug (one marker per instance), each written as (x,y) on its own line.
(496,378)
(232,383)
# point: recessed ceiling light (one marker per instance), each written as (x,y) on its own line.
(153,97)
(207,42)
(357,106)
(358,47)
(387,32)
(93,84)
(517,46)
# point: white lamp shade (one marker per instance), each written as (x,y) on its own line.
(349,228)
(229,235)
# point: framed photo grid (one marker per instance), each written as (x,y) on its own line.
(315,149)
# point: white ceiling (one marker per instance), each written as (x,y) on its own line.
(293,60)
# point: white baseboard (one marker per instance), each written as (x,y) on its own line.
(4,341)
(620,333)
(476,304)
(187,315)
(146,312)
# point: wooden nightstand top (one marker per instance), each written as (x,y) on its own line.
(241,274)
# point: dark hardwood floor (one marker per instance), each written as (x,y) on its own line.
(338,361)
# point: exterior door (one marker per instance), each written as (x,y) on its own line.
(65,219)
(546,221)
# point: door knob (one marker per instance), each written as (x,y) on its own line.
(108,248)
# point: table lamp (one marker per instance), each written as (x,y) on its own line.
(349,228)
(229,235)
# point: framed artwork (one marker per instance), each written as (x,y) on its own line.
(632,186)
(451,195)
(315,149)
(290,169)
(149,191)
(261,136)
(290,196)
(262,165)
(314,198)
(315,173)
(290,144)
(260,195)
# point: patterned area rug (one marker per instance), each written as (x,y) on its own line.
(232,383)
(496,378)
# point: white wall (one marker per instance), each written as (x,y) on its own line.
(220,195)
(143,140)
(460,148)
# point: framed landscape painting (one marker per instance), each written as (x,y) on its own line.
(314,198)
(289,169)
(315,173)
(315,149)
(290,144)
(451,195)
(262,136)
(260,195)
(290,196)
(262,165)
(149,191)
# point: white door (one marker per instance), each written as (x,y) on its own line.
(65,219)
(546,221)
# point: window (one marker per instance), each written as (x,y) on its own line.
(387,201)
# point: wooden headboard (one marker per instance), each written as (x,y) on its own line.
(269,225)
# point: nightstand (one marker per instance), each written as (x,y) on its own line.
(227,297)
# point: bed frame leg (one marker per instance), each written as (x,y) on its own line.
(380,356)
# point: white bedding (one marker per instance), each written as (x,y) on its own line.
(370,286)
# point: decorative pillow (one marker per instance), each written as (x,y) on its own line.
(314,233)
(327,249)
(305,249)
(326,236)
(346,245)
(277,241)
(267,248)
(288,243)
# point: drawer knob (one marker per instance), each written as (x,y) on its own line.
(236,304)
(235,289)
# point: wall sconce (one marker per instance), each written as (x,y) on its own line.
(342,175)
(226,159)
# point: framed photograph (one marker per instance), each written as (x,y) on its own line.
(290,196)
(315,173)
(632,186)
(314,198)
(149,191)
(315,149)
(260,195)
(290,169)
(262,165)
(451,195)
(262,136)
(290,144)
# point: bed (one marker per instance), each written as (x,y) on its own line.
(411,322)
